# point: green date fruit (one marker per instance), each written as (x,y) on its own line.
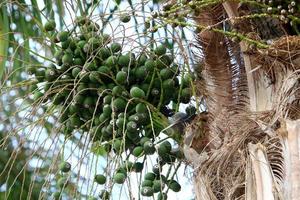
(50,25)
(119,178)
(136,92)
(65,167)
(100,179)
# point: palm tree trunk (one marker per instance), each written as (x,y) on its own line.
(252,149)
(292,160)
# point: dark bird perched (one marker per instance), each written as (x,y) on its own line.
(179,121)
(167,111)
(181,118)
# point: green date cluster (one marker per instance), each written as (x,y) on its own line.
(112,94)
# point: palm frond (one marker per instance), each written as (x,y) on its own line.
(4,41)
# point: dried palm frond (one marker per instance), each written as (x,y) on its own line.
(230,80)
(262,182)
(247,92)
(283,54)
(223,78)
(223,176)
(226,168)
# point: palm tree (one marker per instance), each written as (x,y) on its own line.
(247,146)
(243,142)
(24,164)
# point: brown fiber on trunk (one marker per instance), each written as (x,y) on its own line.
(249,94)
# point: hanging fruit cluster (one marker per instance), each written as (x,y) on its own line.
(107,90)
(113,95)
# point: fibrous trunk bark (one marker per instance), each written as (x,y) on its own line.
(252,142)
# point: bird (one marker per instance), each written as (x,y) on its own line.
(178,122)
